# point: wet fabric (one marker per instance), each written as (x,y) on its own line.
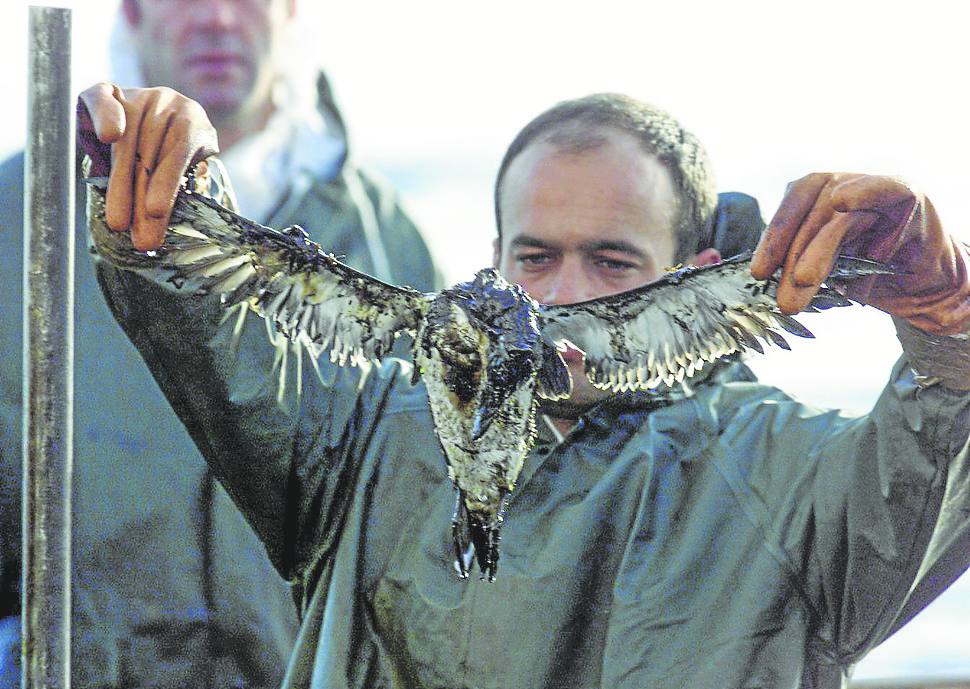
(729,536)
(171,587)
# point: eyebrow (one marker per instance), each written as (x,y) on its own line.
(527,241)
(617,245)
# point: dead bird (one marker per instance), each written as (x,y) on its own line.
(486,351)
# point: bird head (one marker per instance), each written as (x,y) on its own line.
(508,317)
(508,369)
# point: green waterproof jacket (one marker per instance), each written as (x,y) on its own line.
(725,536)
(171,587)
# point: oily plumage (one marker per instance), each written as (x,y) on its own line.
(485,349)
(665,331)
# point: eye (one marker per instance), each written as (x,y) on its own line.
(534,259)
(614,265)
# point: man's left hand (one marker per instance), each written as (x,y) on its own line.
(144,140)
(879,218)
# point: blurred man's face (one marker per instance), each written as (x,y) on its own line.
(221,53)
(577,226)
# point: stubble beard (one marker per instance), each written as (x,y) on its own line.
(583,398)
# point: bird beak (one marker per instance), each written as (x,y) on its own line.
(493,399)
(504,376)
(482,420)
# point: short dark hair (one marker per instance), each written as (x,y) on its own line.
(577,125)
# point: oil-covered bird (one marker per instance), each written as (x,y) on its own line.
(485,349)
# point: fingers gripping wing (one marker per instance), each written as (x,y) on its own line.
(307,294)
(667,330)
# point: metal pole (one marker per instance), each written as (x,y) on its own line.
(48,352)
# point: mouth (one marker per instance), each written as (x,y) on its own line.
(214,62)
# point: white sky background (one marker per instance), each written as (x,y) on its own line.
(434,91)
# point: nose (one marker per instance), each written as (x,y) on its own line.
(568,285)
(219,14)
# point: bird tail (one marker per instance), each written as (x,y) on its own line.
(475,533)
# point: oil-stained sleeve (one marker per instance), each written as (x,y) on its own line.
(871,514)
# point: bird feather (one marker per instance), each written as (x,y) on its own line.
(658,331)
(306,293)
(485,349)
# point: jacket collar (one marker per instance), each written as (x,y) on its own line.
(677,422)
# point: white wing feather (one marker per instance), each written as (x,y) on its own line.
(307,294)
(666,331)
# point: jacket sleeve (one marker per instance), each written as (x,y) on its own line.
(869,511)
(227,392)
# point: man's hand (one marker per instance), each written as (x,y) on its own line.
(148,138)
(878,218)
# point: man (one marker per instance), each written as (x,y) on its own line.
(171,588)
(721,535)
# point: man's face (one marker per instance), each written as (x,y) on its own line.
(221,53)
(577,226)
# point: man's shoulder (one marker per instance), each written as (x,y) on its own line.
(735,394)
(12,199)
(335,187)
(12,175)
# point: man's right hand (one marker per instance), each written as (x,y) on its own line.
(148,138)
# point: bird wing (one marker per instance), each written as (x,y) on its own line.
(307,294)
(667,330)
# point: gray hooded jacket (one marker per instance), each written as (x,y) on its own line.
(171,587)
(724,536)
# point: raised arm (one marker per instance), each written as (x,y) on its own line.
(222,376)
(875,519)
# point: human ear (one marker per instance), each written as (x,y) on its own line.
(706,257)
(131,12)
